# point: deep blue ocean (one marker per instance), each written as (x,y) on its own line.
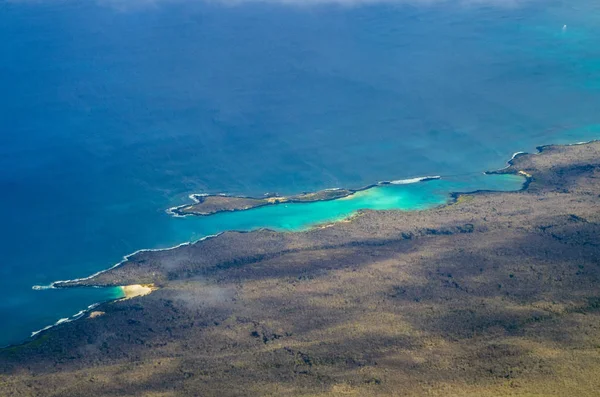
(113,111)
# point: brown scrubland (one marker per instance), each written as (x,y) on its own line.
(495,294)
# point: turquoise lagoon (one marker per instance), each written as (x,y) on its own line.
(302,216)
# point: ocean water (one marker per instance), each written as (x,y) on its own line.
(113,111)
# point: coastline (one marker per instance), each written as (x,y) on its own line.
(539,150)
(490,281)
(452,199)
(128,292)
(64,320)
(274,199)
(53,285)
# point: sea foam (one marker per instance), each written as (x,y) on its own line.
(414,180)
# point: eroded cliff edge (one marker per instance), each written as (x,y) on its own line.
(496,294)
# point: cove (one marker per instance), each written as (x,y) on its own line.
(292,217)
(300,216)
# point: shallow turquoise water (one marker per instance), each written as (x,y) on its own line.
(300,216)
(111,112)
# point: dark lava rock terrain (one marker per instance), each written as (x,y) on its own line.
(496,294)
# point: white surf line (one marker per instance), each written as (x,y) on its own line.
(576,143)
(74,317)
(414,180)
(194,197)
(515,154)
(508,163)
(125,259)
(539,150)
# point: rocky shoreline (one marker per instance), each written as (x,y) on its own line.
(493,294)
(210,204)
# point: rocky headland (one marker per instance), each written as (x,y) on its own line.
(213,204)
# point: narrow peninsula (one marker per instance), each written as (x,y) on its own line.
(210,204)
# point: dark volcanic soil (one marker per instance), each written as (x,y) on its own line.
(497,294)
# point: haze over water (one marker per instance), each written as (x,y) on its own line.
(111,112)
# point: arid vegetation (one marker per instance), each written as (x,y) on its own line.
(497,294)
